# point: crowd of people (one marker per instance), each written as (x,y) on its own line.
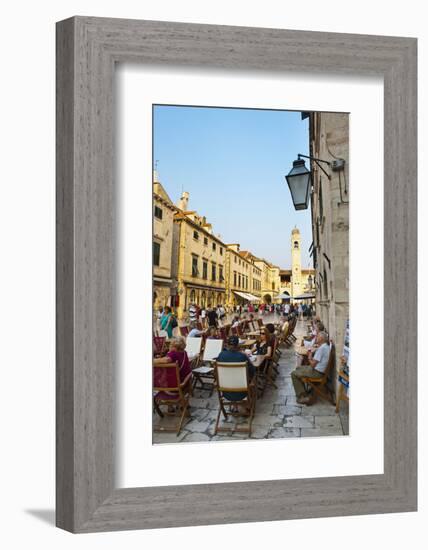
(209,326)
(211,316)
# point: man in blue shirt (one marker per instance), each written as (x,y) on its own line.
(233,355)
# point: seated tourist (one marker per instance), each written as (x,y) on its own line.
(194,332)
(271,328)
(177,353)
(263,346)
(212,333)
(235,321)
(318,362)
(233,355)
(310,341)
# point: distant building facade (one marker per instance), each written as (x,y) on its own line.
(241,276)
(199,260)
(193,265)
(296,281)
(164,284)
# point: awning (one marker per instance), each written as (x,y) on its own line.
(247,296)
(306,296)
(241,294)
(283,297)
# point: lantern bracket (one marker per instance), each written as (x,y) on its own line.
(317,161)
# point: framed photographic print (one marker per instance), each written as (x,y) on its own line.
(236,210)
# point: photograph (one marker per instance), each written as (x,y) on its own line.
(250,274)
(195,197)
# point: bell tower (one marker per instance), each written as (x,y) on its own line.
(296,263)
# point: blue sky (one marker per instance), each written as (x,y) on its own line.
(233,163)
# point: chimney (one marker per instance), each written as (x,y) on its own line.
(184,200)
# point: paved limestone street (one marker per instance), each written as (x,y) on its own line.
(277,413)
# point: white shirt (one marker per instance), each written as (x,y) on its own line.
(194,333)
(321,355)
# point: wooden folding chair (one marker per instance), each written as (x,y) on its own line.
(233,378)
(292,326)
(254,326)
(275,355)
(223,333)
(266,376)
(170,392)
(159,345)
(204,374)
(184,331)
(319,385)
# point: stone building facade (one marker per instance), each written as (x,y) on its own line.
(164,284)
(271,281)
(243,278)
(329,140)
(199,260)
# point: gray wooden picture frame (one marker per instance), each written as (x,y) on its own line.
(87,50)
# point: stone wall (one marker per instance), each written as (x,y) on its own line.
(330,221)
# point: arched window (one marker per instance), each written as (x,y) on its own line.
(296,244)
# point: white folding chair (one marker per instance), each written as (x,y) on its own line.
(212,350)
(233,379)
(193,348)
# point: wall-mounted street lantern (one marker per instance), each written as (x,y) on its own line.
(299,182)
(299,179)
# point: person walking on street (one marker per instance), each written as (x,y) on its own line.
(166,321)
(212,317)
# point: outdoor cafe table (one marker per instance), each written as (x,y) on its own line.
(301,350)
(247,343)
